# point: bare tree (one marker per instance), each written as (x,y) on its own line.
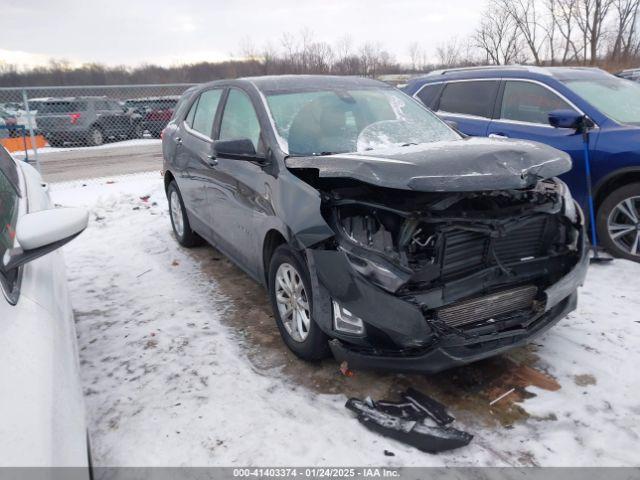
(590,17)
(624,43)
(449,54)
(415,53)
(498,36)
(527,21)
(563,15)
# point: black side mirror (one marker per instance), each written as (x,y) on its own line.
(567,119)
(240,149)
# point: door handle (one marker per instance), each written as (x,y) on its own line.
(498,135)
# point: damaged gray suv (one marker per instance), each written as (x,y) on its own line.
(382,235)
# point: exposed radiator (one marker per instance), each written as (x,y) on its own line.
(489,306)
(467,251)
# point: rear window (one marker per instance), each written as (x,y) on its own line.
(429,94)
(469,98)
(62,107)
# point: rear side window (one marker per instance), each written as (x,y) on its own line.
(240,119)
(469,98)
(203,112)
(530,102)
(61,107)
(429,94)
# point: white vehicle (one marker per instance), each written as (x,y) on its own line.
(42,419)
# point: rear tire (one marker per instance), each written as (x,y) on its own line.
(95,137)
(618,222)
(298,328)
(179,219)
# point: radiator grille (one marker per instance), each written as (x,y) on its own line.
(488,306)
(522,242)
(465,251)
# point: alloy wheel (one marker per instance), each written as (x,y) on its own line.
(176,213)
(293,302)
(623,225)
(96,137)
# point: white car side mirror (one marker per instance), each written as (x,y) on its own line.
(42,232)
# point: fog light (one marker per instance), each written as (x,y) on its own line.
(345,321)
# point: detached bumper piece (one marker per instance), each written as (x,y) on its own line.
(419,421)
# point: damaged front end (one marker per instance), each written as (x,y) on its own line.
(422,281)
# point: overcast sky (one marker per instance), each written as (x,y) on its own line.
(132,32)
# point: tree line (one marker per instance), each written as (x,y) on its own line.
(540,32)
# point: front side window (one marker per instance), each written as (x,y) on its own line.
(203,112)
(617,98)
(321,122)
(529,102)
(240,119)
(469,98)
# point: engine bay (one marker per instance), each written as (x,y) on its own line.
(407,241)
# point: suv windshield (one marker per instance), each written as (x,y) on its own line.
(617,98)
(322,122)
(61,107)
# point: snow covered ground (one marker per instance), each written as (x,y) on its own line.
(167,381)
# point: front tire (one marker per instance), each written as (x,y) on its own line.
(618,222)
(291,299)
(137,131)
(179,220)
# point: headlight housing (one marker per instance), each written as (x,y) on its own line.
(570,208)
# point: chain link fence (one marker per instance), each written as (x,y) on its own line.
(38,118)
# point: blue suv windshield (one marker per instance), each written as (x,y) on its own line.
(322,122)
(617,98)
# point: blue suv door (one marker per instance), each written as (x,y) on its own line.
(522,112)
(469,103)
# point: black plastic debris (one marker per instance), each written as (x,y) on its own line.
(419,421)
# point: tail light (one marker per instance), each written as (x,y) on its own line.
(74,118)
(162,134)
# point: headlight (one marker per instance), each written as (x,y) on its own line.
(570,210)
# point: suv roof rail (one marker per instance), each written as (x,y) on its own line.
(528,68)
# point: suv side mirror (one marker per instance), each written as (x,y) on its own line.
(240,149)
(566,119)
(43,232)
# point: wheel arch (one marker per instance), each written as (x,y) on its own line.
(168,178)
(272,240)
(613,181)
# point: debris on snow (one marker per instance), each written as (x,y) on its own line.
(411,422)
(344,369)
(496,400)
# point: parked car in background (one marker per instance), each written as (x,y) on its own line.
(88,120)
(515,102)
(377,229)
(42,421)
(630,74)
(155,112)
(9,120)
(18,110)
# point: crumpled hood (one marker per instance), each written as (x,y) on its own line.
(465,165)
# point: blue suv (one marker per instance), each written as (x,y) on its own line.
(516,101)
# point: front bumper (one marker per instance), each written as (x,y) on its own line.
(399,337)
